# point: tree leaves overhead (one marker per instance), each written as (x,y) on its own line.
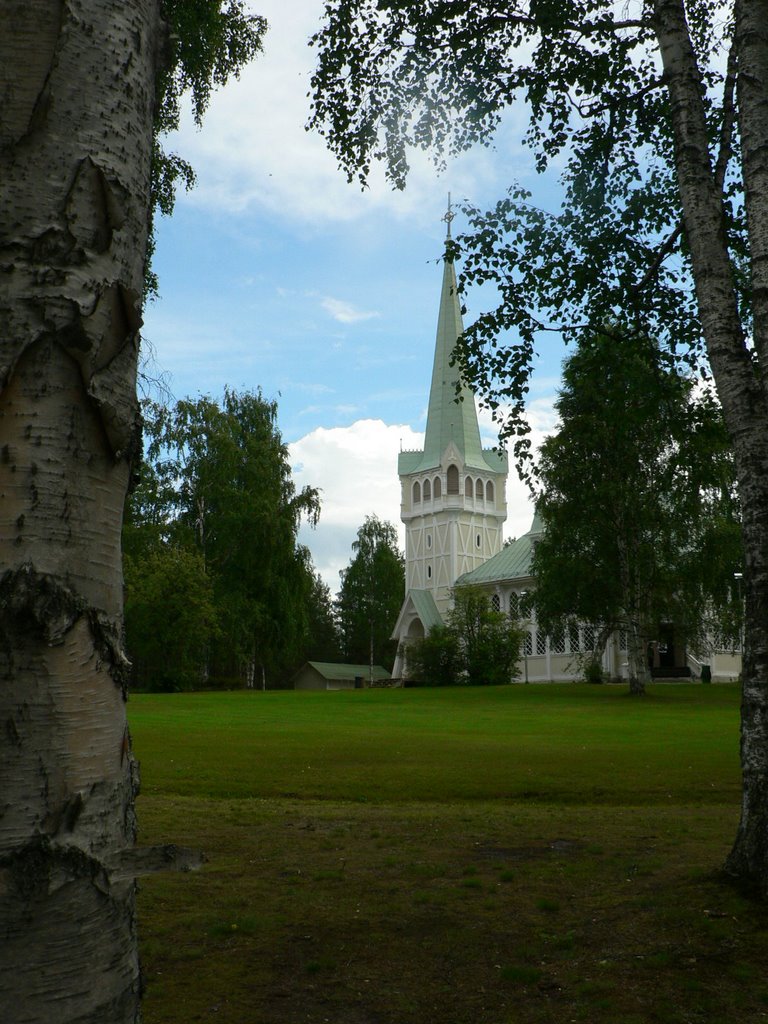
(393,76)
(207,42)
(210,41)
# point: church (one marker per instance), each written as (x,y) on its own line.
(453,506)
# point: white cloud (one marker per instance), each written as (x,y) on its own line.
(253,149)
(345,312)
(356,469)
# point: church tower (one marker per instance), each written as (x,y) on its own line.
(453,500)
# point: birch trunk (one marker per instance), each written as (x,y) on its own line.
(637,662)
(76,109)
(741,389)
(636,658)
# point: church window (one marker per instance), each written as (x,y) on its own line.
(514,605)
(541,642)
(427,490)
(477,541)
(528,644)
(416,492)
(526,604)
(573,638)
(452,479)
(489,491)
(438,487)
(589,638)
(558,642)
(429,540)
(496,603)
(468,487)
(478,488)
(429,572)
(622,640)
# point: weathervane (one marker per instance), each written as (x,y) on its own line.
(448,217)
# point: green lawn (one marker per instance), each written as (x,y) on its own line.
(464,856)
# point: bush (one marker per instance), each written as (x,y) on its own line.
(593,672)
(435,659)
(479,646)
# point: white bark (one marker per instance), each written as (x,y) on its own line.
(76,98)
(741,389)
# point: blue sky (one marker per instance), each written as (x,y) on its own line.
(276,273)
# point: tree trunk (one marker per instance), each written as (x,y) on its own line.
(75,150)
(637,658)
(742,390)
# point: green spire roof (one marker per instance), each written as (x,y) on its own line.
(447,419)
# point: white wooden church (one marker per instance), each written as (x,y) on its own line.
(453,505)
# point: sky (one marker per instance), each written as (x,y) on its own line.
(276,274)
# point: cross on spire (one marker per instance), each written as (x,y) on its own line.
(448,216)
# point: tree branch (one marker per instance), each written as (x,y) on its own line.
(724,154)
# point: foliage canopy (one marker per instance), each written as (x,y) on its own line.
(217,485)
(371,592)
(440,76)
(635,484)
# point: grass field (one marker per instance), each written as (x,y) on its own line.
(464,856)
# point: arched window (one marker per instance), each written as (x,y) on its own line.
(496,603)
(514,605)
(489,491)
(477,541)
(478,488)
(416,492)
(429,540)
(429,572)
(427,490)
(452,479)
(468,487)
(437,487)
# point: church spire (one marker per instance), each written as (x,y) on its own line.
(448,217)
(448,420)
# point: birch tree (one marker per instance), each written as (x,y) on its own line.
(224,478)
(79,108)
(633,484)
(657,111)
(370,595)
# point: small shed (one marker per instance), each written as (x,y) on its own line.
(323,675)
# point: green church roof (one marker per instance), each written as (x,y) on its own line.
(513,562)
(426,609)
(449,420)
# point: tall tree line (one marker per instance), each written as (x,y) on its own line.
(218,589)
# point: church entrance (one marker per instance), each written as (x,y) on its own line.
(667,656)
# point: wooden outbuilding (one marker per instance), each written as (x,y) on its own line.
(323,675)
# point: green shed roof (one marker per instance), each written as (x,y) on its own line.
(330,670)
